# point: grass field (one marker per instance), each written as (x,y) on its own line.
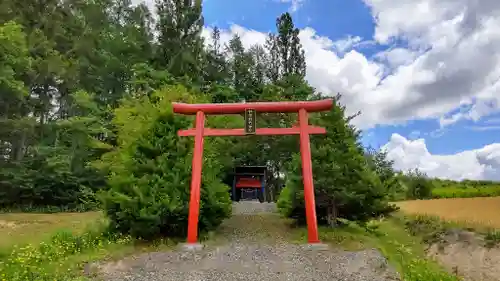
(474,212)
(458,192)
(24,228)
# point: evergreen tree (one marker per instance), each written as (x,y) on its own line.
(72,45)
(14,107)
(241,65)
(180,46)
(217,72)
(150,171)
(286,50)
(259,67)
(216,66)
(378,162)
(344,185)
(273,70)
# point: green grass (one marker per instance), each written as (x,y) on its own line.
(32,228)
(430,229)
(404,251)
(48,260)
(72,267)
(457,192)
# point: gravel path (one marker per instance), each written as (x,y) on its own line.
(255,247)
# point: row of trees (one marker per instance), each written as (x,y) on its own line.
(66,66)
(86,88)
(465,183)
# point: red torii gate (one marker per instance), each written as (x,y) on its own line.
(250,109)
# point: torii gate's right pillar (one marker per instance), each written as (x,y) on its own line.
(307,176)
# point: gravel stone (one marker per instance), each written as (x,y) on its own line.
(253,207)
(256,248)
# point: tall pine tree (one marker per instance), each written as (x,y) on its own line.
(286,53)
(180,45)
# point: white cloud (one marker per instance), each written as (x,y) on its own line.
(437,133)
(346,44)
(492,121)
(459,46)
(248,37)
(397,57)
(453,59)
(483,163)
(484,128)
(415,134)
(295,4)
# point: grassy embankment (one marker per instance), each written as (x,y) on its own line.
(403,251)
(403,238)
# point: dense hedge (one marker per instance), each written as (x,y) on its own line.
(45,181)
(150,171)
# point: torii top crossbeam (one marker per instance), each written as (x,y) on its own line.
(263,107)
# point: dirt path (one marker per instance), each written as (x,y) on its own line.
(255,246)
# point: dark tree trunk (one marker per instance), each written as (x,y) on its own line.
(332,214)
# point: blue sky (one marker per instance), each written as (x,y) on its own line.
(327,17)
(415,97)
(462,136)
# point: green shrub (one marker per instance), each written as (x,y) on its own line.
(150,171)
(418,185)
(383,167)
(345,186)
(284,203)
(43,181)
(429,228)
(492,238)
(424,270)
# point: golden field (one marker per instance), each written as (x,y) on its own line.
(479,211)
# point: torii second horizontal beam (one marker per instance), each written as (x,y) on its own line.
(312,130)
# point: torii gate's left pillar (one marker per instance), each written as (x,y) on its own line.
(194,206)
